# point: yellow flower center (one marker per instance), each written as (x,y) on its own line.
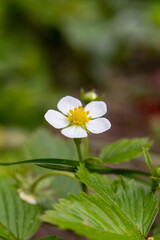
(78,116)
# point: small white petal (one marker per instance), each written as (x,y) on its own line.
(56,119)
(96,108)
(27,197)
(98,125)
(74,132)
(68,103)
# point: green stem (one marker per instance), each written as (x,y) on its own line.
(73,166)
(118,171)
(59,167)
(78,146)
(39,179)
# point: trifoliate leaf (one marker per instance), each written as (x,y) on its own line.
(124,150)
(18,219)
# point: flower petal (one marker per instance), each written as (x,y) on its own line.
(98,125)
(74,132)
(96,108)
(56,119)
(68,103)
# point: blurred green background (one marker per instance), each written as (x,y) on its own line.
(52,48)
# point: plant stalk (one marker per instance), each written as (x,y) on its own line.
(42,177)
(78,146)
(118,171)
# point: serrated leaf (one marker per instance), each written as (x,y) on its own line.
(124,150)
(51,238)
(91,216)
(18,220)
(138,205)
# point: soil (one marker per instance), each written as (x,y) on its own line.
(48,230)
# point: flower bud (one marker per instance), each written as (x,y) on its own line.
(157,171)
(89,96)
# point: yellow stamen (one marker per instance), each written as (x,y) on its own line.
(78,116)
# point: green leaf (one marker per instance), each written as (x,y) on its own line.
(138,205)
(44,144)
(5,234)
(51,238)
(148,160)
(91,216)
(124,150)
(18,219)
(49,163)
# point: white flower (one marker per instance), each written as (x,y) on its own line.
(76,121)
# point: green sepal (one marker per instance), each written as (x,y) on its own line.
(148,160)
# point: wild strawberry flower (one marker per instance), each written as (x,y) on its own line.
(77,121)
